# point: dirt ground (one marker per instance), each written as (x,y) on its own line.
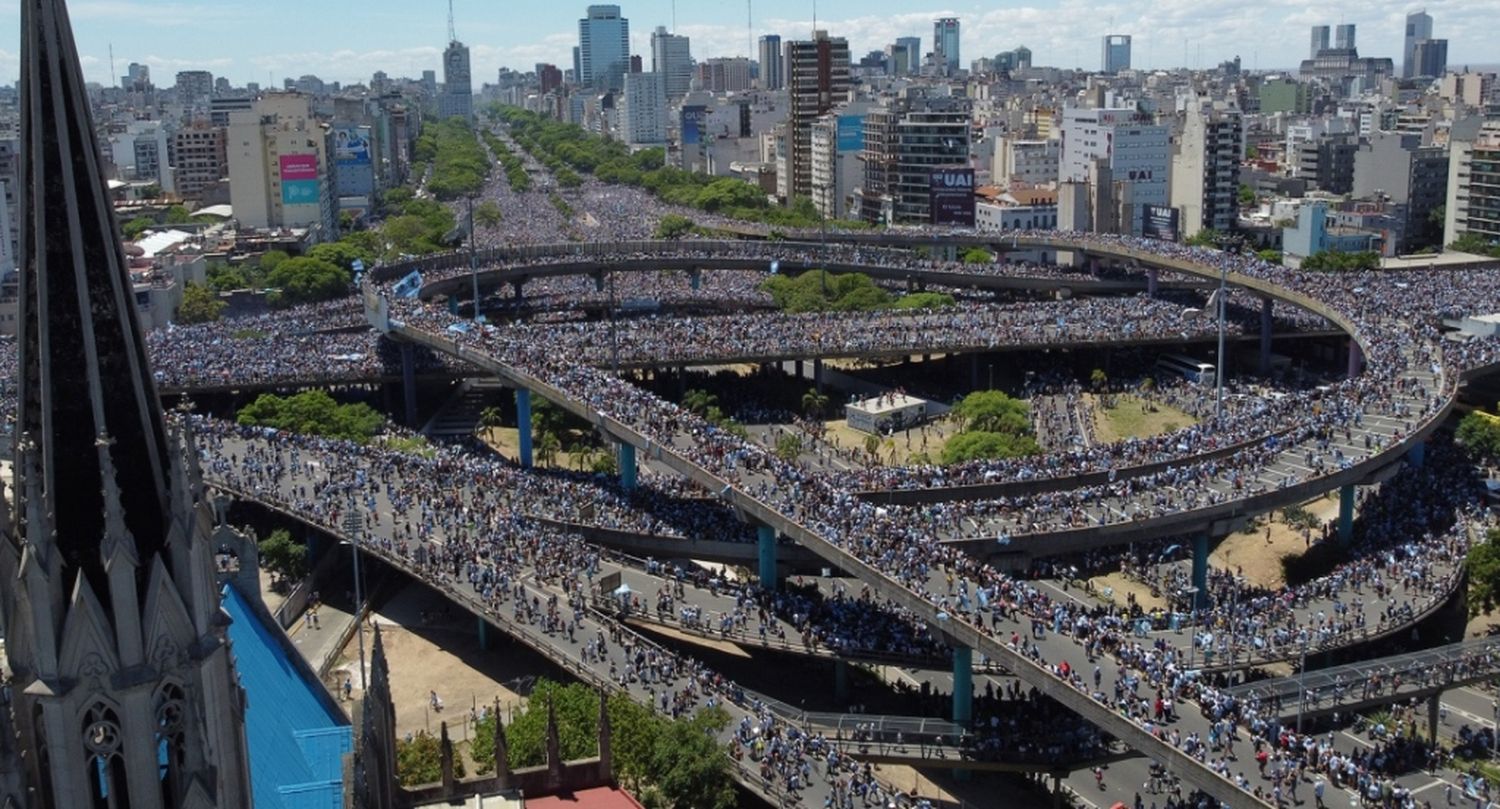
(1258,557)
(441,654)
(507,442)
(1122,587)
(929,439)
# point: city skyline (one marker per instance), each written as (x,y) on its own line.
(188,35)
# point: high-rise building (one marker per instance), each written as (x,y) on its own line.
(1431,58)
(904,142)
(913,46)
(280,172)
(1319,41)
(120,687)
(817,81)
(1135,150)
(1412,177)
(643,109)
(194,86)
(725,75)
(1418,28)
(673,60)
(200,160)
(457,100)
(1116,53)
(548,77)
(945,43)
(603,48)
(1206,170)
(1473,205)
(137,77)
(1343,37)
(772,68)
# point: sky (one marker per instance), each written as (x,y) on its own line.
(268,40)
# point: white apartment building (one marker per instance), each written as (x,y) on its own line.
(643,110)
(1136,151)
(280,166)
(1034,162)
(1206,170)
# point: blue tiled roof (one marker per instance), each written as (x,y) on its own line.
(296,741)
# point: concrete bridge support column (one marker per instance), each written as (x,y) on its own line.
(695,278)
(1346,513)
(598,282)
(963,685)
(520,287)
(1417,455)
(1152,275)
(1356,358)
(1432,715)
(452,304)
(798,369)
(523,426)
(1266,311)
(627,467)
(818,374)
(974,372)
(1200,571)
(765,537)
(409,384)
(484,635)
(841,681)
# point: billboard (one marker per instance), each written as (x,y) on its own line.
(299,179)
(952,197)
(351,146)
(1161,222)
(851,133)
(692,124)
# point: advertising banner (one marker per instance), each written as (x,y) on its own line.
(1161,222)
(692,124)
(351,147)
(952,197)
(851,133)
(299,167)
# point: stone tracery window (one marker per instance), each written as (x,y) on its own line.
(106,766)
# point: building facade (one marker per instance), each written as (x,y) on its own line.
(643,110)
(945,36)
(817,81)
(457,100)
(1418,28)
(603,48)
(202,160)
(280,166)
(1206,170)
(672,58)
(772,68)
(1116,53)
(904,143)
(1135,149)
(1473,205)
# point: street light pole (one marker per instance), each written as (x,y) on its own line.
(1301,688)
(353,524)
(1219,370)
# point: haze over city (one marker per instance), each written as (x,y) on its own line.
(249,41)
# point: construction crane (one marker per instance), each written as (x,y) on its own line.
(452,31)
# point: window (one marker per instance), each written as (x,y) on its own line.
(106,767)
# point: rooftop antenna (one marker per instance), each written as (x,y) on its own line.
(815,18)
(452,32)
(112,74)
(750,29)
(674,16)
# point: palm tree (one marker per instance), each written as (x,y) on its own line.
(814,402)
(699,401)
(489,419)
(547,448)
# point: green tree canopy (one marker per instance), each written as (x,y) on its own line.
(993,411)
(199,304)
(313,412)
(308,280)
(1480,433)
(1339,260)
(283,556)
(976,445)
(673,226)
(1484,574)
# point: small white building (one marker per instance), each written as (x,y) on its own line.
(889,411)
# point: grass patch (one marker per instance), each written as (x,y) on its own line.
(409,444)
(250,334)
(1133,417)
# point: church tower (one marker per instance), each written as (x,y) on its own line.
(121,691)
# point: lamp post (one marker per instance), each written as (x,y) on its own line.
(473,258)
(353,524)
(1219,368)
(1301,687)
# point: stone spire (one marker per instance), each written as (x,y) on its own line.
(83,365)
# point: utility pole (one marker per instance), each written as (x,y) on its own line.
(473,259)
(353,524)
(1219,370)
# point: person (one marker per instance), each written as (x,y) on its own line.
(348,688)
(435,701)
(1099,777)
(1318,792)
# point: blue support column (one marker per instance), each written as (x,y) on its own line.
(452,305)
(1266,318)
(818,374)
(1346,512)
(484,635)
(963,685)
(1151,280)
(599,282)
(765,536)
(1200,571)
(409,384)
(520,287)
(1417,455)
(695,277)
(523,425)
(1356,358)
(627,467)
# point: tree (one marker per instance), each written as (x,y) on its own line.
(177,215)
(1480,434)
(271,259)
(343,253)
(199,305)
(308,280)
(788,447)
(673,226)
(547,447)
(490,418)
(690,767)
(283,556)
(1339,260)
(152,191)
(993,411)
(1484,574)
(487,214)
(1247,196)
(1098,378)
(1476,244)
(135,227)
(974,445)
(977,255)
(420,760)
(814,402)
(1207,237)
(699,401)
(313,412)
(1269,256)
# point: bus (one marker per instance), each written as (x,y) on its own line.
(1201,373)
